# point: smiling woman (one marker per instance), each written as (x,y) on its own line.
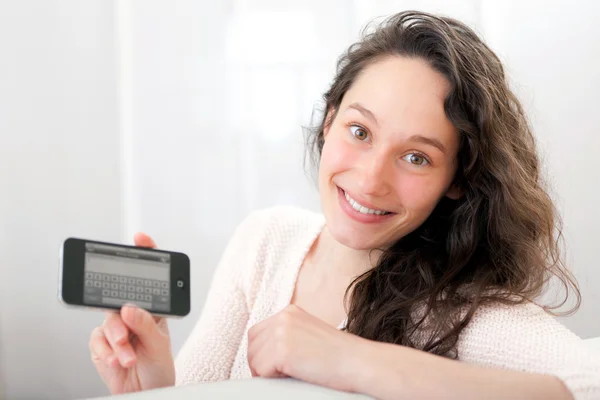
(420,278)
(390,148)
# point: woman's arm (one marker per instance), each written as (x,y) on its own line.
(209,352)
(387,371)
(517,351)
(532,357)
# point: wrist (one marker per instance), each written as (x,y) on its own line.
(370,367)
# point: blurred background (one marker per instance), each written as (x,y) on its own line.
(177,118)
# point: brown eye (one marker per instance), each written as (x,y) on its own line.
(416,159)
(359,132)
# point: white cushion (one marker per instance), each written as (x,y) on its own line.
(593,342)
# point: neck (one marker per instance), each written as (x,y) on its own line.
(342,262)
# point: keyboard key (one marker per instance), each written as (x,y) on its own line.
(131,281)
(92,299)
(164,292)
(123,287)
(164,285)
(147,297)
(114,279)
(147,290)
(123,295)
(147,282)
(122,280)
(98,284)
(139,282)
(105,292)
(162,307)
(106,278)
(139,297)
(97,277)
(155,291)
(114,293)
(131,296)
(89,283)
(156,284)
(139,289)
(114,286)
(106,285)
(131,288)
(120,302)
(89,275)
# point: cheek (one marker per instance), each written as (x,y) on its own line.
(337,156)
(418,193)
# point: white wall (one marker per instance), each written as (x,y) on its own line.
(552,50)
(59,176)
(170,117)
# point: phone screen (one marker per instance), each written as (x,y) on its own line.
(116,275)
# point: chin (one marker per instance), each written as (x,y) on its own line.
(351,238)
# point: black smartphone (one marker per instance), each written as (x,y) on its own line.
(108,275)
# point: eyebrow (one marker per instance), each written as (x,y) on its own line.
(414,138)
(365,112)
(431,142)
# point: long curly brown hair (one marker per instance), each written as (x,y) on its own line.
(500,242)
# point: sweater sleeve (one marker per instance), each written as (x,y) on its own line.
(526,338)
(209,352)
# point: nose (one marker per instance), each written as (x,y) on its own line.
(374,175)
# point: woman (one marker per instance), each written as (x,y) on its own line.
(420,277)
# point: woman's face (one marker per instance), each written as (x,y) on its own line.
(389,154)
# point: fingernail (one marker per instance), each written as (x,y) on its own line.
(126,357)
(118,333)
(135,312)
(110,360)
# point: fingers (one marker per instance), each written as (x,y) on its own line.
(256,347)
(140,239)
(257,329)
(262,348)
(102,353)
(283,318)
(258,337)
(146,327)
(117,336)
(269,342)
(264,363)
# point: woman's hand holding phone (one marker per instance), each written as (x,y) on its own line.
(132,349)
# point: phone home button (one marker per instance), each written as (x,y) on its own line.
(180,284)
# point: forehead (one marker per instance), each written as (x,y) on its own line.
(403,93)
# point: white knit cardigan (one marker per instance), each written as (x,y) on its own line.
(256,278)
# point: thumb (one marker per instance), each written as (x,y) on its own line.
(144,326)
(142,240)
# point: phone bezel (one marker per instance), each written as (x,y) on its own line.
(72,276)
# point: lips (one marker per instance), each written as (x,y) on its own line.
(363,209)
(361,212)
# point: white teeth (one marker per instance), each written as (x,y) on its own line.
(362,209)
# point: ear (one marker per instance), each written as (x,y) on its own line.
(454,192)
(328,121)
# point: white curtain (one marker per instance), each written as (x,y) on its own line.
(178,118)
(215,96)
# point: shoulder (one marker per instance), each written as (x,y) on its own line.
(278,224)
(501,319)
(269,238)
(527,338)
(269,244)
(514,333)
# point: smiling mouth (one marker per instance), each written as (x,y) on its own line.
(362,209)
